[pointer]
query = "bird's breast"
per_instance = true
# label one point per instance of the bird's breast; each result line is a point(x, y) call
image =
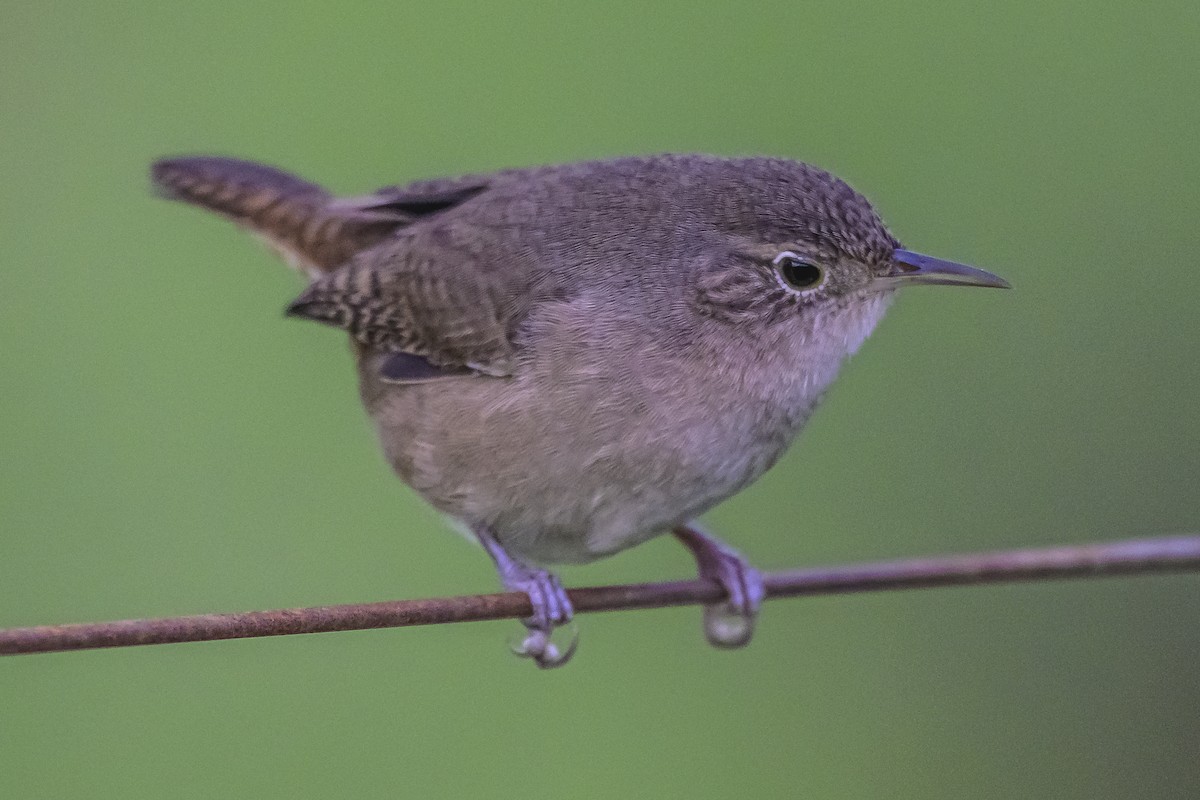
point(602, 438)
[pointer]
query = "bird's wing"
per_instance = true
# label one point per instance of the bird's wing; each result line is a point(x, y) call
point(431, 294)
point(415, 200)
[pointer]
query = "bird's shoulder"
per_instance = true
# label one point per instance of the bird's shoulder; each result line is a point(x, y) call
point(451, 289)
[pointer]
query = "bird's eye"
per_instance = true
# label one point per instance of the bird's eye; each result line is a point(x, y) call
point(797, 273)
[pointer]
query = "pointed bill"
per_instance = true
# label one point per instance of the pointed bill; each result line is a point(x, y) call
point(915, 268)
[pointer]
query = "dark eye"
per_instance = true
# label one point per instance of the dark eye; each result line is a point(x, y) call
point(797, 272)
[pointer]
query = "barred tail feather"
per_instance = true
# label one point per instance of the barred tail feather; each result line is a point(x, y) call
point(298, 219)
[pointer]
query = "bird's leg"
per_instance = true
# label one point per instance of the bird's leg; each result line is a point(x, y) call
point(729, 623)
point(551, 606)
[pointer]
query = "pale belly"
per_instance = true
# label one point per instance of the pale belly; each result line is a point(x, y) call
point(568, 472)
point(607, 437)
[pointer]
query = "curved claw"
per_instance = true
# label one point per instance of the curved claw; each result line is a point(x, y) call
point(545, 653)
point(730, 623)
point(551, 606)
point(551, 609)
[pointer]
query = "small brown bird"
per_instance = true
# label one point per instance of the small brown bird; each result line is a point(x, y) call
point(570, 360)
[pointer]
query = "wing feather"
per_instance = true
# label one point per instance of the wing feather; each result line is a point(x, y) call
point(422, 296)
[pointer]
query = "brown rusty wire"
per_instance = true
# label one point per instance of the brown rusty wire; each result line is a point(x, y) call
point(1132, 556)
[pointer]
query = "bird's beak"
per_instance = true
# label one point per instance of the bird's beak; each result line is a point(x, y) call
point(913, 268)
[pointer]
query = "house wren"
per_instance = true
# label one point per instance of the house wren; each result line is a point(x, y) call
point(570, 360)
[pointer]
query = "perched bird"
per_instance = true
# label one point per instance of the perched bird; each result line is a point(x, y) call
point(570, 360)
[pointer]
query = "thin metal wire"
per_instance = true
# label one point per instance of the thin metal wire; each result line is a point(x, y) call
point(1127, 557)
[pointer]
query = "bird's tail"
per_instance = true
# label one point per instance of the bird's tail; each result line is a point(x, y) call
point(298, 219)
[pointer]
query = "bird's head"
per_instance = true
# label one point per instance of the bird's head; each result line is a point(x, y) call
point(804, 256)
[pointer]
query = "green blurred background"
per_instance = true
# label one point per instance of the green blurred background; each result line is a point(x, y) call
point(172, 445)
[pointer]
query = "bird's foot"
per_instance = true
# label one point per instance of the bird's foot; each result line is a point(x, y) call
point(551, 606)
point(551, 609)
point(730, 623)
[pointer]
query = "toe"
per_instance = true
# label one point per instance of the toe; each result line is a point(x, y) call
point(744, 585)
point(551, 609)
point(547, 598)
point(551, 606)
point(727, 629)
point(539, 646)
point(729, 623)
point(552, 656)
